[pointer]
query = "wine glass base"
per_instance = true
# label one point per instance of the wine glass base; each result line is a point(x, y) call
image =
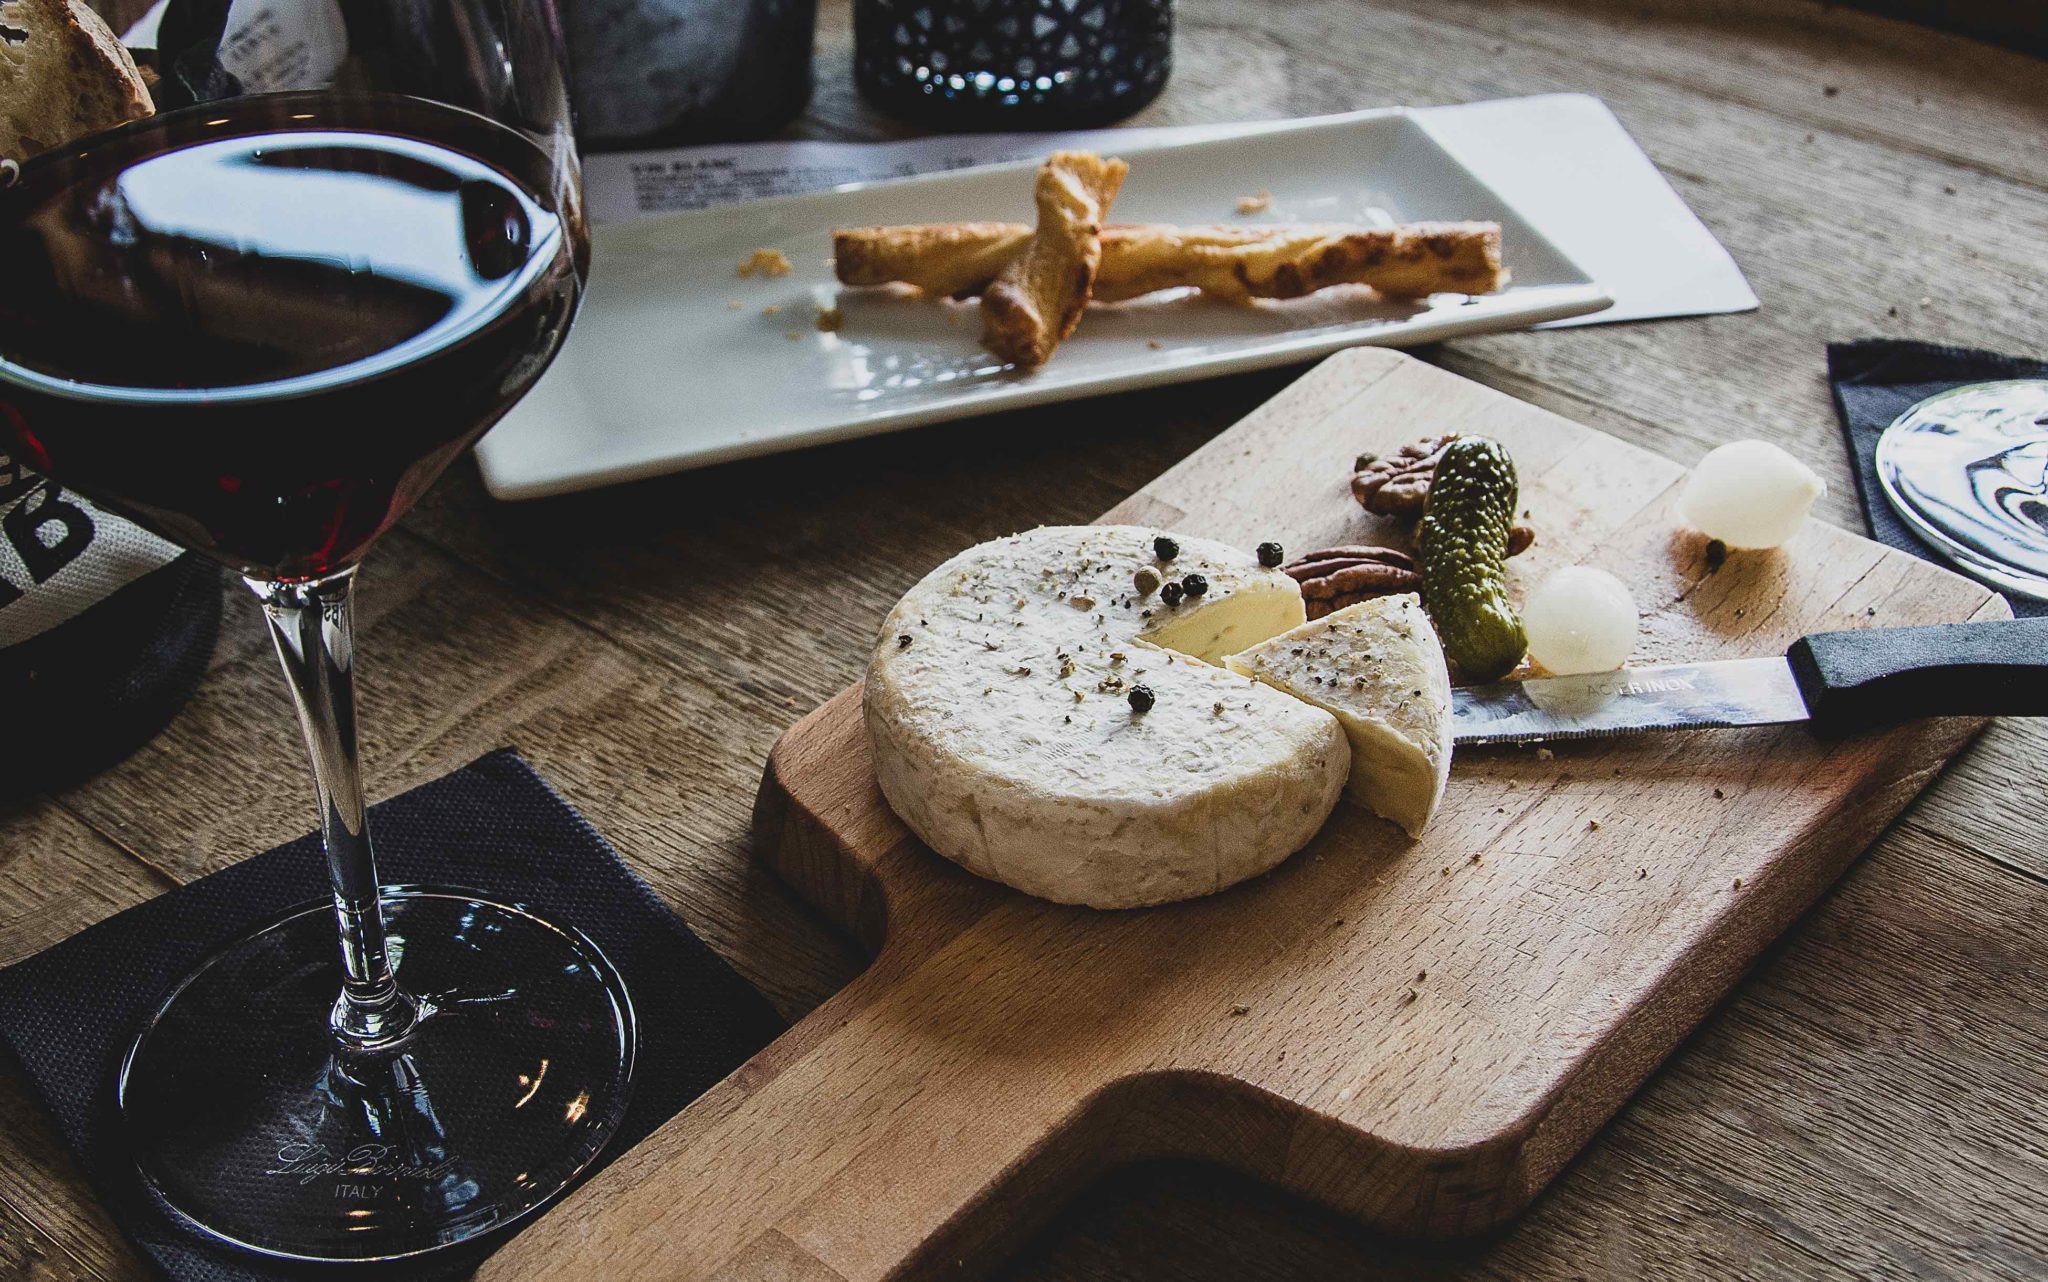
point(1967, 470)
point(246, 1116)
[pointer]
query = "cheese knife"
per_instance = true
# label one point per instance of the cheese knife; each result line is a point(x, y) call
point(1838, 682)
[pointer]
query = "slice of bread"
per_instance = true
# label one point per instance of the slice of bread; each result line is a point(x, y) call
point(63, 74)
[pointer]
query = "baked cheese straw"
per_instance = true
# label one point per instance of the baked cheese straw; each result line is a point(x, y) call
point(952, 260)
point(1243, 263)
point(1036, 300)
point(1239, 263)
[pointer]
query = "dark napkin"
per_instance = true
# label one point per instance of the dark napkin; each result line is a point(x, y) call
point(68, 1013)
point(1878, 379)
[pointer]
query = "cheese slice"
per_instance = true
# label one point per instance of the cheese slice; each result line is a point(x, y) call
point(998, 708)
point(1378, 667)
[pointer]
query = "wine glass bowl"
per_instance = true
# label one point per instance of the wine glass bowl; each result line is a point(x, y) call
point(262, 324)
point(264, 328)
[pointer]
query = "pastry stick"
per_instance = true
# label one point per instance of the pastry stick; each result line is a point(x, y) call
point(1243, 263)
point(950, 260)
point(1238, 263)
point(1036, 300)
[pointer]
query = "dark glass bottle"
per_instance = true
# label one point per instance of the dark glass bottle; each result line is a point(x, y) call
point(1012, 64)
point(104, 634)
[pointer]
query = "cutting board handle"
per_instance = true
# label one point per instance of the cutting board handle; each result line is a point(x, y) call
point(901, 1129)
point(845, 1152)
point(1881, 676)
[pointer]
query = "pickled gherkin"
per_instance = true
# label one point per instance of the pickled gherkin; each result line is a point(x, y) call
point(1462, 547)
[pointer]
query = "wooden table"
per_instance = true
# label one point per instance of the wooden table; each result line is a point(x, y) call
point(1872, 1101)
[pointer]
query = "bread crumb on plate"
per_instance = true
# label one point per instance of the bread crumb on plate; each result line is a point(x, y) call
point(766, 262)
point(1258, 204)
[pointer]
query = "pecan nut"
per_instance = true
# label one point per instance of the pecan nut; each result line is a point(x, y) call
point(1398, 485)
point(1333, 578)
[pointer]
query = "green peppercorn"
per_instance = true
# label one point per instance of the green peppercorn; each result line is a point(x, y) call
point(1194, 584)
point(1164, 548)
point(1271, 555)
point(1170, 594)
point(1141, 698)
point(1146, 580)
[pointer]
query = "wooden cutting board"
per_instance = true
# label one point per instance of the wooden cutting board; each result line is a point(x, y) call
point(1419, 1034)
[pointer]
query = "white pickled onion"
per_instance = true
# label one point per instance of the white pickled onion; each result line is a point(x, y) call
point(1749, 494)
point(1580, 620)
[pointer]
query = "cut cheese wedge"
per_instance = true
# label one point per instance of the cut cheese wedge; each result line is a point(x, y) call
point(998, 705)
point(1379, 668)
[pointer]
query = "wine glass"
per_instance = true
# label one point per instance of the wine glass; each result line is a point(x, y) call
point(261, 323)
point(1967, 470)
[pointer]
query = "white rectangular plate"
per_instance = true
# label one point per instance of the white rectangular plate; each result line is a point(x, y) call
point(676, 362)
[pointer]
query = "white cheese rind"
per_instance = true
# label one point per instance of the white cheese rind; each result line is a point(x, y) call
point(1379, 668)
point(1004, 737)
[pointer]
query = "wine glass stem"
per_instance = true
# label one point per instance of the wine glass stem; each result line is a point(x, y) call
point(310, 622)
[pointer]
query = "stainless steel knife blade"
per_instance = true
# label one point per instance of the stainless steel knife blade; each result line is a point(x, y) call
point(1680, 696)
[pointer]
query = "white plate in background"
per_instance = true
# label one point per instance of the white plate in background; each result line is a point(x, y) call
point(676, 362)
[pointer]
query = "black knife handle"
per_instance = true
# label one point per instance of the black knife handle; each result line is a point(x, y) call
point(1874, 676)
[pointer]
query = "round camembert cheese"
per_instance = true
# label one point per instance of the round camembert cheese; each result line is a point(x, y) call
point(998, 706)
point(1379, 668)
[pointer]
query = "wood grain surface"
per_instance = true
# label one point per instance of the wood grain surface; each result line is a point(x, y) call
point(1872, 1102)
point(1419, 1033)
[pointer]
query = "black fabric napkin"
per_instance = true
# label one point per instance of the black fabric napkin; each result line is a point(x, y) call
point(69, 1012)
point(1878, 379)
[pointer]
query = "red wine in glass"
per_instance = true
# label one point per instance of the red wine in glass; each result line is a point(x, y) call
point(263, 328)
